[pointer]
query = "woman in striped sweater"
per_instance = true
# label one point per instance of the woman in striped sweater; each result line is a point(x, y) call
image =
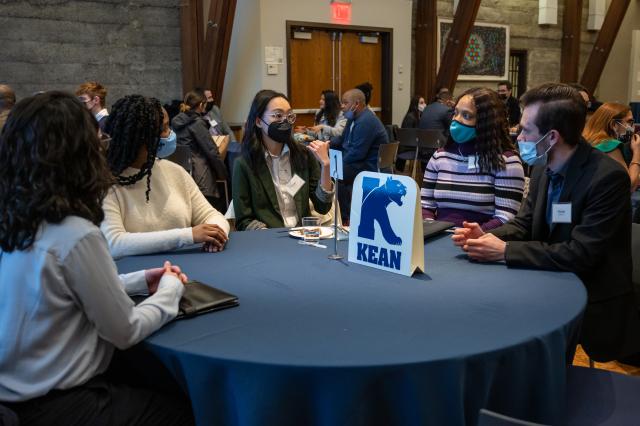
point(478, 175)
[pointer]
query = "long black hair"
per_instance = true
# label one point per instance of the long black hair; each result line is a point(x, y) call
point(52, 166)
point(492, 129)
point(135, 122)
point(366, 88)
point(331, 109)
point(252, 143)
point(413, 107)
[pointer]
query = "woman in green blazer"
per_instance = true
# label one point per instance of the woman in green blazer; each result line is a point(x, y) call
point(276, 177)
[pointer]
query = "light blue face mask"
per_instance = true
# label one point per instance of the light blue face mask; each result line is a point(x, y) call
point(461, 133)
point(529, 153)
point(167, 146)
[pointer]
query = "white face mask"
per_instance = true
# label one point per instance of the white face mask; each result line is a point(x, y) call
point(421, 107)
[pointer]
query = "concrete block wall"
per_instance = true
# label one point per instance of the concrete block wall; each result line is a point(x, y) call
point(130, 46)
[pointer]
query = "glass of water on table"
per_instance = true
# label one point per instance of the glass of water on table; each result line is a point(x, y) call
point(311, 230)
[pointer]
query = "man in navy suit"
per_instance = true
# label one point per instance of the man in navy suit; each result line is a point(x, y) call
point(576, 218)
point(359, 143)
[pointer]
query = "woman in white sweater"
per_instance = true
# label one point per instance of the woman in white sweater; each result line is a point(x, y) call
point(63, 307)
point(155, 205)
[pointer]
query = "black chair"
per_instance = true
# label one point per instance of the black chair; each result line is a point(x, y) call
point(391, 132)
point(602, 398)
point(419, 144)
point(387, 156)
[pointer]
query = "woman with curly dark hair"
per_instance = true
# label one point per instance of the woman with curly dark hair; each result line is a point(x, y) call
point(276, 177)
point(477, 176)
point(155, 205)
point(63, 307)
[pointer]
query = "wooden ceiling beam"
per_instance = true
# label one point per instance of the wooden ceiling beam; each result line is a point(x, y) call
point(604, 43)
point(426, 39)
point(457, 41)
point(571, 28)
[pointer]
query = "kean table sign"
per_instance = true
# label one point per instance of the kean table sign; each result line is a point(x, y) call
point(386, 224)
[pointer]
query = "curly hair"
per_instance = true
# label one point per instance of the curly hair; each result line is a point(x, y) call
point(135, 123)
point(52, 166)
point(492, 129)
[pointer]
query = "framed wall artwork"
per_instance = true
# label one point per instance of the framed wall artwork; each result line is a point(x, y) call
point(487, 54)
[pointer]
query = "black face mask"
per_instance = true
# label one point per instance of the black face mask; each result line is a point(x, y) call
point(208, 107)
point(503, 97)
point(279, 132)
point(626, 136)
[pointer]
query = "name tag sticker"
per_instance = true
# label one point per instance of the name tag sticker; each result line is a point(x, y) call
point(472, 162)
point(561, 213)
point(294, 185)
point(213, 122)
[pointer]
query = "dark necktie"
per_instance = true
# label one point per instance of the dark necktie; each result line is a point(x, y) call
point(553, 192)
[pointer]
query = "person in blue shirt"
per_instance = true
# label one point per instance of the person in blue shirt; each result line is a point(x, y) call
point(359, 143)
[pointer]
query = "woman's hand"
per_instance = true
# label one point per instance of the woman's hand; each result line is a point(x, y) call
point(213, 237)
point(635, 146)
point(154, 275)
point(320, 150)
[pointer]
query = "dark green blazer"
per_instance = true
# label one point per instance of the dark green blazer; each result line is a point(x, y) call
point(254, 195)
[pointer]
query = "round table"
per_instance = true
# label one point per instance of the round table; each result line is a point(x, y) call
point(323, 342)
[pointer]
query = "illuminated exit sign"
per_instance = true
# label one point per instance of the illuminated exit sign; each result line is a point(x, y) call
point(341, 11)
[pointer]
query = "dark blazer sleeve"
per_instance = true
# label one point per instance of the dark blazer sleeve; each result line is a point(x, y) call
point(519, 228)
point(204, 141)
point(241, 190)
point(360, 143)
point(607, 204)
point(321, 201)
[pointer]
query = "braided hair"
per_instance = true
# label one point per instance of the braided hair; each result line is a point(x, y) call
point(135, 123)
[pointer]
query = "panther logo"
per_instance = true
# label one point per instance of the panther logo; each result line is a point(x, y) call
point(374, 207)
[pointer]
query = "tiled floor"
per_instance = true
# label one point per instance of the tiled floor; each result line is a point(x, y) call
point(581, 359)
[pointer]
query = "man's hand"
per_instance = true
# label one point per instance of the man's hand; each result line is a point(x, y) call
point(487, 248)
point(468, 231)
point(213, 237)
point(154, 275)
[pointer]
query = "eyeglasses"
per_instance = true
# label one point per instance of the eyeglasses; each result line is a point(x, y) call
point(627, 122)
point(84, 101)
point(280, 117)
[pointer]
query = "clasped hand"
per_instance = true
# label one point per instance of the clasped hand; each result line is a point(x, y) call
point(154, 275)
point(480, 246)
point(212, 236)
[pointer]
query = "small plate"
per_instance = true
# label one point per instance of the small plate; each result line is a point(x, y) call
point(325, 232)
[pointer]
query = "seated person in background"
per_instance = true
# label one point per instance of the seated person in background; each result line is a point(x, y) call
point(64, 310)
point(511, 104)
point(276, 177)
point(576, 218)
point(412, 118)
point(437, 115)
point(477, 176)
point(94, 97)
point(207, 165)
point(367, 90)
point(212, 113)
point(607, 130)
point(329, 121)
point(359, 144)
point(155, 205)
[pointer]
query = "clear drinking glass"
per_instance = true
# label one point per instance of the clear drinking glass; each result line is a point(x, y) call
point(311, 229)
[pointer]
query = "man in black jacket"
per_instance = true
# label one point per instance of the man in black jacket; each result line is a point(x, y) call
point(511, 104)
point(576, 218)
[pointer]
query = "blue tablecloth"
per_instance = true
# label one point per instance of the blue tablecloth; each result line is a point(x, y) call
point(322, 342)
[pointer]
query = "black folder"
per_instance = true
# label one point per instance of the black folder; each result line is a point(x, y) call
point(431, 228)
point(199, 298)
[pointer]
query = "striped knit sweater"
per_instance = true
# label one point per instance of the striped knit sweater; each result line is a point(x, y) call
point(454, 190)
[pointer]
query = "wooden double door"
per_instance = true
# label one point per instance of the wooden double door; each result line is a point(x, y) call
point(322, 57)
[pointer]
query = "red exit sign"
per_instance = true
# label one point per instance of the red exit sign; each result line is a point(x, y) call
point(341, 12)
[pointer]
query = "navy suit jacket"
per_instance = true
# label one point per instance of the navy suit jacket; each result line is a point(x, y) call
point(360, 144)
